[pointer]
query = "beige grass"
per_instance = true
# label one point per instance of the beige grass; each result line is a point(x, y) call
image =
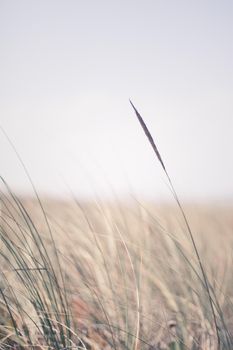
point(127, 274)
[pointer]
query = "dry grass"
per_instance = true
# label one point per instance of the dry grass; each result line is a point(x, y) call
point(115, 275)
point(128, 276)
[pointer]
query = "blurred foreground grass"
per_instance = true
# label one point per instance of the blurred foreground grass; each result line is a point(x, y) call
point(79, 275)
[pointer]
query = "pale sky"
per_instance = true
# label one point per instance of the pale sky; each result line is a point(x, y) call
point(67, 70)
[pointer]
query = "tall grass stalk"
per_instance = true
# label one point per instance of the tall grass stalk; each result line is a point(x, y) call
point(157, 153)
point(101, 276)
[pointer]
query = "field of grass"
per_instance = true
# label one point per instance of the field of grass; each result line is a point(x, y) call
point(128, 275)
point(114, 275)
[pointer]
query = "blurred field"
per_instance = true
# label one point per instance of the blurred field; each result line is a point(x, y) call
point(111, 275)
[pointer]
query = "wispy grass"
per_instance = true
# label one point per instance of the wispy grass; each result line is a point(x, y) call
point(78, 275)
point(213, 303)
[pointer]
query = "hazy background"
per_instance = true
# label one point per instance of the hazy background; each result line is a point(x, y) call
point(67, 69)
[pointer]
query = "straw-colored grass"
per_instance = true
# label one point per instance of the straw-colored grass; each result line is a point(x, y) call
point(127, 276)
